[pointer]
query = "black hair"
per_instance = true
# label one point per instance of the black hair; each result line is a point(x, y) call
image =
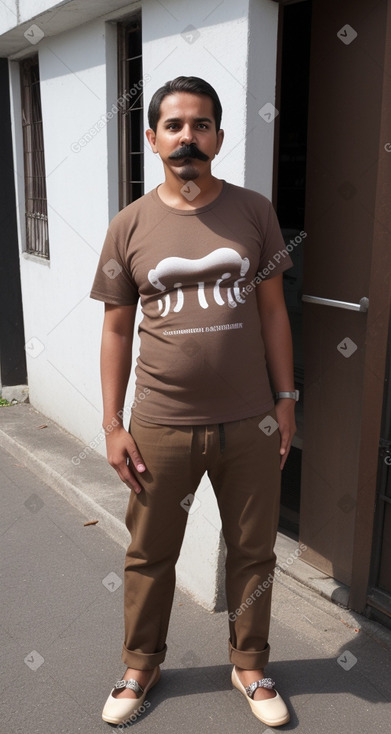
point(190, 84)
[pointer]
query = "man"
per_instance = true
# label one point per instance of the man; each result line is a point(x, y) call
point(206, 260)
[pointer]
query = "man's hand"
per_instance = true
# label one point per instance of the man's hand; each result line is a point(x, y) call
point(285, 413)
point(124, 456)
point(277, 338)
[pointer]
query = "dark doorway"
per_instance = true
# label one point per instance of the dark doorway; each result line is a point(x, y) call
point(379, 592)
point(12, 353)
point(290, 173)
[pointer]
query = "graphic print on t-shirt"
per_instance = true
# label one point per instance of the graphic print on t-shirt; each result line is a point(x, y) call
point(223, 267)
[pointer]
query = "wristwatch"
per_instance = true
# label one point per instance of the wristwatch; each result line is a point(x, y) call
point(293, 394)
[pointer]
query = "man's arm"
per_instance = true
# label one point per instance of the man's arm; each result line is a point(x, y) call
point(277, 338)
point(116, 362)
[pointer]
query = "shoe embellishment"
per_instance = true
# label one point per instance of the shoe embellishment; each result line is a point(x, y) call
point(264, 683)
point(131, 683)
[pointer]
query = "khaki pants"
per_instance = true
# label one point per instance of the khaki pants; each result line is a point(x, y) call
point(242, 462)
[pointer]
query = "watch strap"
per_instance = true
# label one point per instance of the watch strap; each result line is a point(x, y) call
point(293, 394)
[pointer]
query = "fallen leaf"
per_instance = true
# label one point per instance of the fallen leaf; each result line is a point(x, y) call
point(91, 522)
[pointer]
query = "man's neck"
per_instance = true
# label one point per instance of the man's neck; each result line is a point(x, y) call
point(187, 195)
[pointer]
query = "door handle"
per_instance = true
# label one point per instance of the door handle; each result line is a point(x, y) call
point(362, 306)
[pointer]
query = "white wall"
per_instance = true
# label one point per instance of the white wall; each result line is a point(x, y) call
point(8, 16)
point(16, 12)
point(61, 320)
point(218, 54)
point(31, 8)
point(78, 85)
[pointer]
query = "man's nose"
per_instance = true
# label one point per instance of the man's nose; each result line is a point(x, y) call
point(187, 135)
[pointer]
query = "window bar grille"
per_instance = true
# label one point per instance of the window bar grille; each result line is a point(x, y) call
point(131, 140)
point(36, 212)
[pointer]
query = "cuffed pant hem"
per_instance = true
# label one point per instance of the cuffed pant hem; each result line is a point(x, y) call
point(143, 661)
point(249, 660)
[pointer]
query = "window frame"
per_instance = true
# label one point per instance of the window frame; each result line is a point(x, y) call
point(36, 205)
point(130, 116)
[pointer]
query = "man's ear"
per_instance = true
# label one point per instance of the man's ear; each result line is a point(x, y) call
point(220, 138)
point(151, 137)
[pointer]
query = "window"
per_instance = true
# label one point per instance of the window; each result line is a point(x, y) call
point(130, 94)
point(37, 239)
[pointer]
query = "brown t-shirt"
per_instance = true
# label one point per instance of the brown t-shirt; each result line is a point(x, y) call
point(201, 352)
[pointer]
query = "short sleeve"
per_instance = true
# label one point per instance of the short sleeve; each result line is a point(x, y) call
point(113, 282)
point(274, 258)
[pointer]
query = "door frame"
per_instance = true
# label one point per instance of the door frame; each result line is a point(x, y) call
point(371, 397)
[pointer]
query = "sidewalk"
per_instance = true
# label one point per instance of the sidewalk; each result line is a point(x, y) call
point(62, 586)
point(91, 485)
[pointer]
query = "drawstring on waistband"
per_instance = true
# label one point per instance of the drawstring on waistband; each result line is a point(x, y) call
point(222, 437)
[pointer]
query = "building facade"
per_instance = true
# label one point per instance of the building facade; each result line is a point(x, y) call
point(306, 112)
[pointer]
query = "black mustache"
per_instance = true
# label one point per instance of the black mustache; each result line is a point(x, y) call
point(189, 151)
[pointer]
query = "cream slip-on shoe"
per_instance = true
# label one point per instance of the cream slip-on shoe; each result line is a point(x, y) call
point(271, 711)
point(118, 710)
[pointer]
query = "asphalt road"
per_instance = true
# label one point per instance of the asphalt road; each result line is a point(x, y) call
point(61, 632)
